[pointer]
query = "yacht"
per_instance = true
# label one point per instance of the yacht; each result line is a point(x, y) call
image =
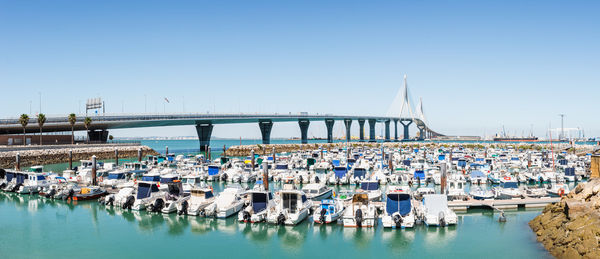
point(33, 183)
point(329, 211)
point(398, 212)
point(361, 212)
point(227, 202)
point(558, 190)
point(200, 198)
point(508, 189)
point(317, 192)
point(372, 189)
point(291, 207)
point(480, 193)
point(173, 198)
point(436, 211)
point(260, 201)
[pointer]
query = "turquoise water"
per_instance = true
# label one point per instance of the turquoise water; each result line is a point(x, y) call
point(36, 227)
point(31, 226)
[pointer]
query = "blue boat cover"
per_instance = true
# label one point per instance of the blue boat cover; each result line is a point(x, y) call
point(570, 171)
point(213, 170)
point(369, 186)
point(406, 162)
point(340, 171)
point(359, 172)
point(477, 174)
point(145, 189)
point(116, 176)
point(562, 162)
point(281, 166)
point(419, 174)
point(441, 157)
point(9, 176)
point(398, 202)
point(148, 178)
point(462, 163)
point(336, 162)
point(259, 202)
point(21, 178)
point(479, 159)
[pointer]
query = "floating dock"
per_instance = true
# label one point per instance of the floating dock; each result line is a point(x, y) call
point(503, 204)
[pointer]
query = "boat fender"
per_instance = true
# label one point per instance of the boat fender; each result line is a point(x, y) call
point(358, 217)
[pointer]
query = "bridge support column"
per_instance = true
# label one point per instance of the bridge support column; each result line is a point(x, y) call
point(98, 136)
point(265, 130)
point(348, 123)
point(372, 130)
point(204, 131)
point(329, 123)
point(395, 130)
point(304, 130)
point(361, 123)
point(405, 137)
point(387, 131)
point(422, 133)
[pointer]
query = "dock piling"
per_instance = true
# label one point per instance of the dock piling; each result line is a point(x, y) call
point(139, 154)
point(70, 159)
point(94, 182)
point(18, 162)
point(116, 156)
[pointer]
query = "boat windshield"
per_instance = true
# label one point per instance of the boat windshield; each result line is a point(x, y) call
point(512, 185)
point(151, 178)
point(281, 167)
point(145, 189)
point(259, 202)
point(359, 172)
point(116, 176)
point(398, 202)
point(290, 201)
point(369, 186)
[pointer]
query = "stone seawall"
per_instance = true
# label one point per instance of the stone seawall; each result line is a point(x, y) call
point(571, 228)
point(61, 155)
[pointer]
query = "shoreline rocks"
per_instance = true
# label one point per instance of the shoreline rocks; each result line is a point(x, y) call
point(571, 227)
point(61, 155)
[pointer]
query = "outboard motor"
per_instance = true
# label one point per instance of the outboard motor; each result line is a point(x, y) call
point(300, 179)
point(184, 208)
point(398, 220)
point(317, 180)
point(110, 201)
point(358, 216)
point(224, 177)
point(280, 219)
point(322, 217)
point(157, 205)
point(246, 216)
point(442, 219)
point(128, 203)
point(51, 193)
point(102, 200)
point(16, 188)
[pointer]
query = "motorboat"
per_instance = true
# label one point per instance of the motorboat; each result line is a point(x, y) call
point(200, 198)
point(361, 212)
point(317, 192)
point(358, 174)
point(535, 192)
point(436, 211)
point(120, 198)
point(35, 181)
point(477, 177)
point(456, 187)
point(480, 193)
point(344, 195)
point(259, 202)
point(398, 212)
point(371, 187)
point(227, 202)
point(190, 182)
point(89, 193)
point(214, 173)
point(115, 179)
point(339, 176)
point(147, 192)
point(329, 211)
point(558, 190)
point(172, 199)
point(291, 207)
point(508, 189)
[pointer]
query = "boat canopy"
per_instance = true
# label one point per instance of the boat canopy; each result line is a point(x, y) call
point(259, 201)
point(213, 170)
point(369, 186)
point(477, 173)
point(435, 203)
point(360, 198)
point(145, 189)
point(441, 157)
point(360, 172)
point(398, 202)
point(570, 171)
point(511, 184)
point(419, 174)
point(200, 193)
point(41, 177)
point(335, 162)
point(281, 167)
point(9, 176)
point(340, 171)
point(406, 162)
point(116, 176)
point(151, 178)
point(21, 178)
point(168, 179)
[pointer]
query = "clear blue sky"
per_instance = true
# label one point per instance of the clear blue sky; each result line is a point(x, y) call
point(477, 65)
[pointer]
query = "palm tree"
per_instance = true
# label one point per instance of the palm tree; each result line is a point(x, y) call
point(24, 120)
point(72, 119)
point(86, 122)
point(41, 119)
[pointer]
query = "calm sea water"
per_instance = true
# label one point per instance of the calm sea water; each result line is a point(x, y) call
point(31, 227)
